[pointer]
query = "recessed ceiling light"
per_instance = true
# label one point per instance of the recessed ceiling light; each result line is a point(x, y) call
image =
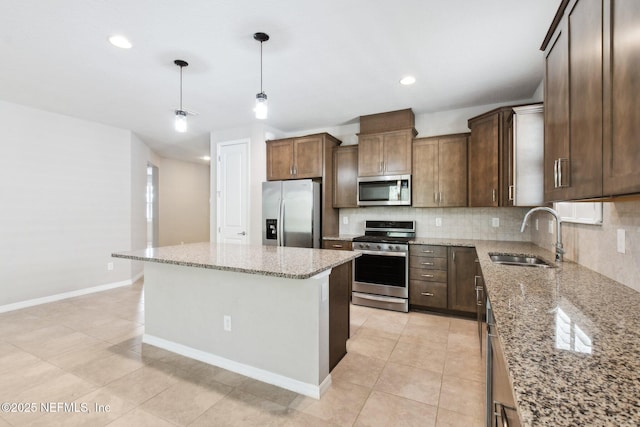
point(409, 80)
point(120, 41)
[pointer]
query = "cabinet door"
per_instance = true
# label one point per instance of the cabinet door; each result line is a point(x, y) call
point(483, 162)
point(622, 104)
point(507, 157)
point(307, 157)
point(337, 245)
point(279, 159)
point(370, 155)
point(425, 173)
point(345, 177)
point(452, 158)
point(396, 155)
point(556, 115)
point(585, 100)
point(462, 271)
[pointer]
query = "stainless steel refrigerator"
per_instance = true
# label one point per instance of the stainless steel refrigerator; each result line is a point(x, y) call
point(291, 213)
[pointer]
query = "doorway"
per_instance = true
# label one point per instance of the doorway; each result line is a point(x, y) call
point(152, 206)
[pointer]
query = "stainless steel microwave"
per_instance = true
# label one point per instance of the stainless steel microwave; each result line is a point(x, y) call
point(384, 190)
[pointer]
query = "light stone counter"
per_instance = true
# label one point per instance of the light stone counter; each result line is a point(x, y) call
point(343, 237)
point(443, 242)
point(293, 263)
point(571, 339)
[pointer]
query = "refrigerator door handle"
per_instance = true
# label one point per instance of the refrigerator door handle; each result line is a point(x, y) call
point(281, 241)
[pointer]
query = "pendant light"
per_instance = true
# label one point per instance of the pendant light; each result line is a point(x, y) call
point(181, 115)
point(261, 98)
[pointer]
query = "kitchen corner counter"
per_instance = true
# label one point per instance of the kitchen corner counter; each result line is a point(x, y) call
point(286, 262)
point(571, 339)
point(443, 242)
point(342, 237)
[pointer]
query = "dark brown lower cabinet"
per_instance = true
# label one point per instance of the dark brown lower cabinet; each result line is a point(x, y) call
point(443, 279)
point(338, 313)
point(339, 294)
point(462, 272)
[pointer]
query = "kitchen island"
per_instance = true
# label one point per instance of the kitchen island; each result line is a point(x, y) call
point(261, 311)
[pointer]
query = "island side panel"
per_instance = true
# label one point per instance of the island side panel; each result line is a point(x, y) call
point(278, 325)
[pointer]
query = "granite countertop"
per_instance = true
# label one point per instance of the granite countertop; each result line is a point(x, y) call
point(292, 263)
point(443, 242)
point(343, 237)
point(571, 339)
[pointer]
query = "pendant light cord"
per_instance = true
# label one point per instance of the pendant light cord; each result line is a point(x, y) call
point(181, 88)
point(261, 67)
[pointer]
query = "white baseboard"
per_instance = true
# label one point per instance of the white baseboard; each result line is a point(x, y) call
point(306, 389)
point(65, 295)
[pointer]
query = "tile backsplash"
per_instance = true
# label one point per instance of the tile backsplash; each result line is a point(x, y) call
point(455, 223)
point(595, 246)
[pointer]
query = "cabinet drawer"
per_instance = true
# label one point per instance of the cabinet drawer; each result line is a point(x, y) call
point(428, 294)
point(428, 251)
point(427, 275)
point(428, 263)
point(341, 245)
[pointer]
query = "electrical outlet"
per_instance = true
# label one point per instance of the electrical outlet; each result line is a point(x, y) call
point(109, 266)
point(227, 322)
point(621, 241)
point(345, 220)
point(550, 226)
point(537, 225)
point(495, 222)
point(438, 222)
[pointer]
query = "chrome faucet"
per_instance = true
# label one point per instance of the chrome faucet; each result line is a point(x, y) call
point(559, 248)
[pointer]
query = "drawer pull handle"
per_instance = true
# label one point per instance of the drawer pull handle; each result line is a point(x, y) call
point(428, 252)
point(427, 294)
point(426, 275)
point(427, 263)
point(336, 246)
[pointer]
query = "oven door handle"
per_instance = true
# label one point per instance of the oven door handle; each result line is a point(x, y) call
point(382, 253)
point(393, 300)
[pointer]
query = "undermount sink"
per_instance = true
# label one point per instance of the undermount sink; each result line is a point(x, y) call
point(521, 260)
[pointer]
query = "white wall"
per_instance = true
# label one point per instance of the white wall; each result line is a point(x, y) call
point(141, 155)
point(184, 202)
point(66, 203)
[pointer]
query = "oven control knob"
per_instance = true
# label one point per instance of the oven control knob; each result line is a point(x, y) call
point(379, 247)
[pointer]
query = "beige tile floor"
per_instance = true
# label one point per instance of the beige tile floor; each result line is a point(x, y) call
point(81, 362)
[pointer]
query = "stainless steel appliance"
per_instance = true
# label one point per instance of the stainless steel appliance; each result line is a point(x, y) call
point(384, 190)
point(381, 273)
point(291, 213)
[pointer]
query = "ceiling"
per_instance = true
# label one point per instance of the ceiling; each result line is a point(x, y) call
point(327, 62)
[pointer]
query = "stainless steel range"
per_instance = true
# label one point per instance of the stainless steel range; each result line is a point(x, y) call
point(381, 273)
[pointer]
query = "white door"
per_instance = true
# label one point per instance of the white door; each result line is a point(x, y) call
point(233, 192)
